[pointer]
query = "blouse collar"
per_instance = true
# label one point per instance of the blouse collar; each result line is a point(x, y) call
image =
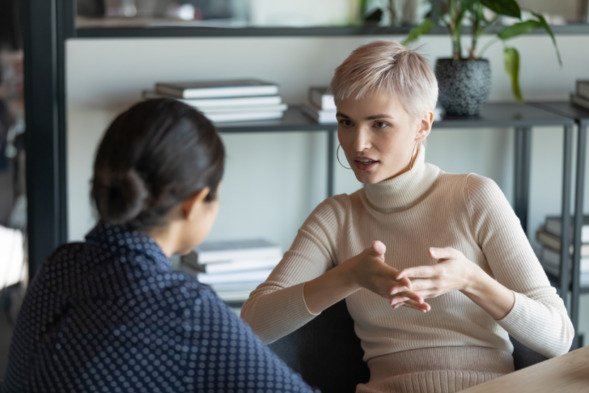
point(118, 240)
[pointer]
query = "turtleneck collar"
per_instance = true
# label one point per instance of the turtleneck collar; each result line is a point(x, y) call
point(404, 189)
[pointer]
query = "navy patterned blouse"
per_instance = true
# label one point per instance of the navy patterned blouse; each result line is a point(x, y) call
point(110, 315)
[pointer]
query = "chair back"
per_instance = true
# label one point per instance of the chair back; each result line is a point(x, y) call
point(326, 351)
point(523, 356)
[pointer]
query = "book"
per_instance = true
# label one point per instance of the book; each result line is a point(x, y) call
point(235, 295)
point(553, 224)
point(221, 102)
point(234, 277)
point(217, 88)
point(229, 250)
point(554, 271)
point(224, 117)
point(582, 88)
point(319, 115)
point(551, 258)
point(579, 100)
point(240, 109)
point(321, 98)
point(242, 264)
point(552, 241)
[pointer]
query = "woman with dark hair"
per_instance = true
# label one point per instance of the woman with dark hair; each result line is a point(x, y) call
point(109, 314)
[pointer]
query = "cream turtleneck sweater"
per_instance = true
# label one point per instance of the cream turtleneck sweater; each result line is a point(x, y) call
point(455, 345)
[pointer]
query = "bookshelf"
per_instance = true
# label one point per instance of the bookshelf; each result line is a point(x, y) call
point(581, 118)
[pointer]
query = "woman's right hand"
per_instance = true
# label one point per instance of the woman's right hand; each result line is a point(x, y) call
point(369, 270)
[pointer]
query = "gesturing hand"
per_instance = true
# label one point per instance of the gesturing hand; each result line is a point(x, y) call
point(371, 272)
point(453, 271)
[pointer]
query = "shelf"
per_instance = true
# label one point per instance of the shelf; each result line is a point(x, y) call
point(293, 120)
point(507, 114)
point(493, 115)
point(565, 108)
point(187, 30)
point(127, 28)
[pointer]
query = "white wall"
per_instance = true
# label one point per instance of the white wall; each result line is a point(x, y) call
point(273, 180)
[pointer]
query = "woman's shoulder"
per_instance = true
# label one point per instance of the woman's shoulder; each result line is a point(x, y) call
point(470, 183)
point(334, 205)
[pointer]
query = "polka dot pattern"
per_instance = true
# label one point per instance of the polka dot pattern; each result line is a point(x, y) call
point(110, 315)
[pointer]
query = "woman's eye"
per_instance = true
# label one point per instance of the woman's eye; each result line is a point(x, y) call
point(344, 122)
point(380, 124)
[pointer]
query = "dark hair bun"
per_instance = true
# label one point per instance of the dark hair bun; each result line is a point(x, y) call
point(120, 197)
point(152, 157)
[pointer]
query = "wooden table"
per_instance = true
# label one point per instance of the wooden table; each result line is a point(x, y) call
point(568, 373)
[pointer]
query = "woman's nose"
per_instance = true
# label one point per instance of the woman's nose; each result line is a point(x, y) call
point(361, 140)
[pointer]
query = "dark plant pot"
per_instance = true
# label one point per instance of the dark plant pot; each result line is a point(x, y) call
point(464, 85)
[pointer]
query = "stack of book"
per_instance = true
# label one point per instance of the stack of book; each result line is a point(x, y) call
point(234, 100)
point(320, 105)
point(581, 95)
point(549, 238)
point(233, 268)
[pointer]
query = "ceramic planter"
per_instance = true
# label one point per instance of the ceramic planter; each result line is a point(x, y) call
point(464, 85)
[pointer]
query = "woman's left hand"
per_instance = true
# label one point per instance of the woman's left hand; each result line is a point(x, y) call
point(453, 271)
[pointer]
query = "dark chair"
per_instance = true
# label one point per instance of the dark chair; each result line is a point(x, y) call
point(523, 356)
point(327, 353)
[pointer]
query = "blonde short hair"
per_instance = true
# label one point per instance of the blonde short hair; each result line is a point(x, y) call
point(387, 66)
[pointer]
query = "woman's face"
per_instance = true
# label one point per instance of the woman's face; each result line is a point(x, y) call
point(378, 136)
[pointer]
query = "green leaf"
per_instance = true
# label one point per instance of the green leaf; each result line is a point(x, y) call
point(511, 61)
point(503, 7)
point(544, 24)
point(519, 29)
point(423, 28)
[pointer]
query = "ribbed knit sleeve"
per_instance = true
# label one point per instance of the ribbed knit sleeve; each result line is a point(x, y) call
point(277, 307)
point(538, 318)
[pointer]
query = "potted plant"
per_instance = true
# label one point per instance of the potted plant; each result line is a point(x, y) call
point(464, 78)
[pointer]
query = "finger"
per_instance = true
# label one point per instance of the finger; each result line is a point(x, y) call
point(377, 248)
point(441, 253)
point(404, 282)
point(422, 307)
point(398, 289)
point(425, 271)
point(408, 295)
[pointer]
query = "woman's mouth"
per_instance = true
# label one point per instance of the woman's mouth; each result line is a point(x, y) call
point(365, 164)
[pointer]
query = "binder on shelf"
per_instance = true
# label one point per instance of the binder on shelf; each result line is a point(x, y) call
point(217, 88)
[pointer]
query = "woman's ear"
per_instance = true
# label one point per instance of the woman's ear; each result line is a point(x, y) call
point(192, 204)
point(426, 123)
